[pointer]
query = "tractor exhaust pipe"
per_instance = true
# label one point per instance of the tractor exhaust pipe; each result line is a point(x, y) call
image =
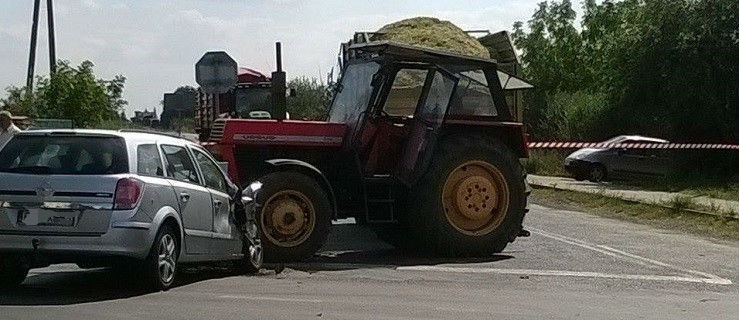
point(279, 87)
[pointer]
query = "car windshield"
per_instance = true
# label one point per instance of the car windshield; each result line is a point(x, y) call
point(73, 155)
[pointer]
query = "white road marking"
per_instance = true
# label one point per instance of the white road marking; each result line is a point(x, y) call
point(658, 263)
point(565, 273)
point(266, 298)
point(586, 245)
point(622, 255)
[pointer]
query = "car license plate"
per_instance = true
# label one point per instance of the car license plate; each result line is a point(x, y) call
point(37, 217)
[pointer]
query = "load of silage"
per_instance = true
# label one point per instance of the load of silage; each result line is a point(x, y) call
point(432, 33)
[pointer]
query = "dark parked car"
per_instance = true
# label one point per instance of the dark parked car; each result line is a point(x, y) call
point(598, 164)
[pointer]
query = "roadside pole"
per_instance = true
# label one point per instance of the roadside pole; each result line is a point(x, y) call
point(32, 54)
point(52, 40)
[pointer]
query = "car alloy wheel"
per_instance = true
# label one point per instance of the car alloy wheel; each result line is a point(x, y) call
point(167, 258)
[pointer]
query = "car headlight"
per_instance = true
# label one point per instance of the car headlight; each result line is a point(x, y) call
point(250, 193)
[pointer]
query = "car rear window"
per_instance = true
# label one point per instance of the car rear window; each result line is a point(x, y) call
point(74, 155)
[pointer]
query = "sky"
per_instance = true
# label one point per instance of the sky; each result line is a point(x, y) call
point(155, 44)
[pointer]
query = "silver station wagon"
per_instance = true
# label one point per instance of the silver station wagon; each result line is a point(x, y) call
point(137, 201)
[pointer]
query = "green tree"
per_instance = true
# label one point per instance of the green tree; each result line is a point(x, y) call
point(72, 93)
point(654, 67)
point(19, 102)
point(311, 100)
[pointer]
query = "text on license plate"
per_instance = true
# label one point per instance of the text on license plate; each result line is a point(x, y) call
point(37, 217)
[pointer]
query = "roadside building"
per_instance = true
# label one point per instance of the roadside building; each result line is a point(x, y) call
point(177, 105)
point(146, 118)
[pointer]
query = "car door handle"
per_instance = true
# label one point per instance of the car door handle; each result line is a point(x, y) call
point(184, 197)
point(217, 203)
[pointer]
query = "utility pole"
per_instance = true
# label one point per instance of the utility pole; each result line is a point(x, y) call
point(34, 37)
point(52, 42)
point(32, 54)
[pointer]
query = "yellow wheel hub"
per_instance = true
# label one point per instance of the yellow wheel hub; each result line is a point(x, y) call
point(475, 197)
point(288, 218)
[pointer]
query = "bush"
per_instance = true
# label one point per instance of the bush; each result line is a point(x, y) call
point(311, 101)
point(546, 162)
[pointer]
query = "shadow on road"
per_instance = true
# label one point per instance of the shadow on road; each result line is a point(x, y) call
point(388, 258)
point(348, 247)
point(357, 247)
point(80, 286)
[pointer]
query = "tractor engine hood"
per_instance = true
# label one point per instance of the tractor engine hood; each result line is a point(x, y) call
point(283, 132)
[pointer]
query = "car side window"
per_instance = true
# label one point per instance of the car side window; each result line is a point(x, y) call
point(179, 165)
point(149, 161)
point(213, 177)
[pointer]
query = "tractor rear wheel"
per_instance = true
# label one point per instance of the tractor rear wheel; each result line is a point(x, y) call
point(294, 217)
point(472, 200)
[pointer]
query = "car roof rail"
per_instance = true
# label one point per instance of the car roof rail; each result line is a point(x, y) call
point(172, 135)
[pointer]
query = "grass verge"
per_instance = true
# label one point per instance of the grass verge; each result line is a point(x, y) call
point(673, 219)
point(694, 187)
point(551, 163)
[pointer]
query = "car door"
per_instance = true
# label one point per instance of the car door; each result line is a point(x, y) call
point(195, 204)
point(650, 161)
point(622, 161)
point(223, 205)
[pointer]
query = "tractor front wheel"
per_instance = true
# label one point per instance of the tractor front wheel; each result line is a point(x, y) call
point(472, 200)
point(294, 216)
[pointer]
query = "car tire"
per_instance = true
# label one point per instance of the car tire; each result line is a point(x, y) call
point(287, 235)
point(597, 173)
point(436, 215)
point(160, 267)
point(12, 272)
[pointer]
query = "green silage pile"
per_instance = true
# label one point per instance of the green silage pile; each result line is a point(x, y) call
point(432, 33)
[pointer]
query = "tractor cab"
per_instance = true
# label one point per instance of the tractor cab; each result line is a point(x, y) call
point(397, 100)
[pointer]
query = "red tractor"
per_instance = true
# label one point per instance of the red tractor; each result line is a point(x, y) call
point(248, 97)
point(419, 144)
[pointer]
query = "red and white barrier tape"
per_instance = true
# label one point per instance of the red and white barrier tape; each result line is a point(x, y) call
point(600, 145)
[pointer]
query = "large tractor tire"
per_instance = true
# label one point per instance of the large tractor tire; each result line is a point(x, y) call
point(471, 201)
point(294, 216)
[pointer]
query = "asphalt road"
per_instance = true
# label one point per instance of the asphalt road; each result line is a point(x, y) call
point(574, 266)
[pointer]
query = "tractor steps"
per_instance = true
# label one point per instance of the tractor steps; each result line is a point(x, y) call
point(380, 200)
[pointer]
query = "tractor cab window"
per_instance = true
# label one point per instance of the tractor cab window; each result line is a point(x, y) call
point(436, 102)
point(250, 99)
point(353, 93)
point(405, 92)
point(472, 97)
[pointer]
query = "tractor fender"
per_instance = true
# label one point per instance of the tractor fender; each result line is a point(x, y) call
point(309, 170)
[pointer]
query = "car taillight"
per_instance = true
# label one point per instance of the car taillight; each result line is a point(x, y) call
point(128, 192)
